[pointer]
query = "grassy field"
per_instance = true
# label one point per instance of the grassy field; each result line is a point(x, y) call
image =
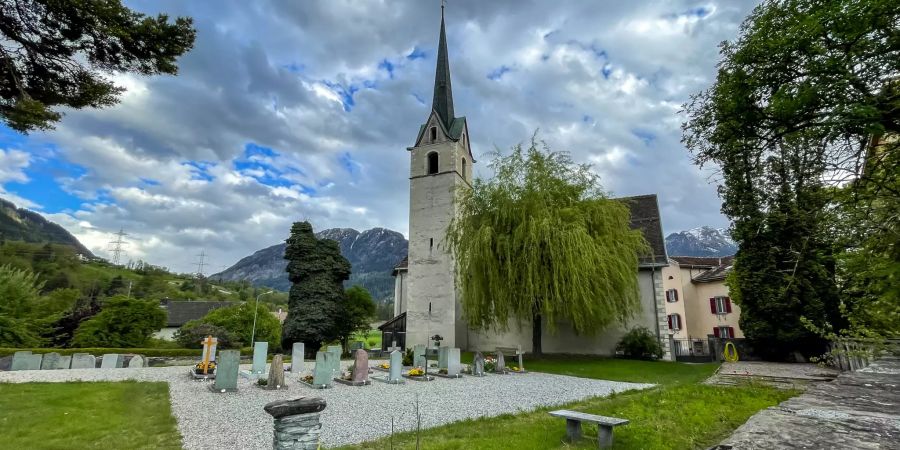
point(678, 414)
point(87, 415)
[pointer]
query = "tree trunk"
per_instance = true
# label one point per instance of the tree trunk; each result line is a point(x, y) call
point(536, 335)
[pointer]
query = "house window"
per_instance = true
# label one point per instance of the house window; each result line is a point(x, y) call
point(464, 168)
point(672, 295)
point(674, 322)
point(720, 305)
point(432, 163)
point(724, 332)
point(433, 134)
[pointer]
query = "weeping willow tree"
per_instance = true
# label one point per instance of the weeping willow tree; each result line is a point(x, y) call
point(541, 243)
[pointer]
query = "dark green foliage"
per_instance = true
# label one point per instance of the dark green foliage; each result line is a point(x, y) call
point(19, 289)
point(541, 242)
point(640, 343)
point(62, 331)
point(317, 272)
point(191, 335)
point(238, 320)
point(356, 313)
point(408, 357)
point(122, 322)
point(56, 52)
point(18, 333)
point(798, 98)
point(20, 224)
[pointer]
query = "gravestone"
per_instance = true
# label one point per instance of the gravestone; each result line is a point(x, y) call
point(111, 361)
point(453, 364)
point(34, 362)
point(260, 349)
point(209, 348)
point(323, 372)
point(297, 357)
point(65, 362)
point(419, 355)
point(360, 366)
point(136, 362)
point(443, 352)
point(20, 360)
point(227, 371)
point(84, 361)
point(501, 364)
point(335, 359)
point(50, 362)
point(276, 373)
point(478, 365)
point(396, 371)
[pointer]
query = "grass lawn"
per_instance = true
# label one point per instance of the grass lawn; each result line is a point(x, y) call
point(87, 415)
point(372, 338)
point(678, 414)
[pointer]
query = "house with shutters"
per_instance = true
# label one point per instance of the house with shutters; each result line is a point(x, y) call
point(697, 300)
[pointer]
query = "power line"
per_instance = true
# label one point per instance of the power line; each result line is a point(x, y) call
point(117, 245)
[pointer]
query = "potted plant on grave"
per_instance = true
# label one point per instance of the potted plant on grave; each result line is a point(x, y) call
point(209, 366)
point(308, 379)
point(408, 357)
point(490, 363)
point(416, 372)
point(385, 365)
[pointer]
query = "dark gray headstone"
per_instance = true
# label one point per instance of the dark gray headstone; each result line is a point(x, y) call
point(478, 364)
point(227, 370)
point(50, 362)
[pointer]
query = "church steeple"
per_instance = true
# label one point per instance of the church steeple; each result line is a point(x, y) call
point(443, 94)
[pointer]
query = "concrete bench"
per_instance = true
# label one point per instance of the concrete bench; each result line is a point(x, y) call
point(515, 352)
point(605, 425)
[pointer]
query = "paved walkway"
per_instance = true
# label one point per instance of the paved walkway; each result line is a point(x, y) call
point(858, 410)
point(780, 375)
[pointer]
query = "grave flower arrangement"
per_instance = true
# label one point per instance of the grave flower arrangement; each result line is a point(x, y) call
point(514, 369)
point(209, 366)
point(385, 365)
point(416, 372)
point(490, 363)
point(308, 379)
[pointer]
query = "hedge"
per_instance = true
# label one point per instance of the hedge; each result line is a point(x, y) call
point(100, 351)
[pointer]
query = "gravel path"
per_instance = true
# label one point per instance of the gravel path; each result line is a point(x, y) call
point(354, 414)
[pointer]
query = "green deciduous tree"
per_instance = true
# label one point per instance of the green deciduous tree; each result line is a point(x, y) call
point(797, 100)
point(191, 335)
point(317, 272)
point(541, 243)
point(122, 322)
point(238, 320)
point(356, 313)
point(54, 53)
point(19, 289)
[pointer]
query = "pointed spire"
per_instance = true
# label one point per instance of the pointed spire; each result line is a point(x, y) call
point(443, 94)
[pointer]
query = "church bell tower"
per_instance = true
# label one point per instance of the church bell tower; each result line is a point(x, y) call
point(440, 163)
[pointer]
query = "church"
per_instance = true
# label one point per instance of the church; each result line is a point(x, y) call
point(426, 299)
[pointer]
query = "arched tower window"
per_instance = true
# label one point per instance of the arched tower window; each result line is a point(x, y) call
point(433, 134)
point(464, 168)
point(432, 163)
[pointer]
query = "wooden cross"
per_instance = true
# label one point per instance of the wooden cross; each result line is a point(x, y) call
point(207, 345)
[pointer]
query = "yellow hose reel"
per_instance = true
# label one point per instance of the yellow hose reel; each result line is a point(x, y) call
point(730, 353)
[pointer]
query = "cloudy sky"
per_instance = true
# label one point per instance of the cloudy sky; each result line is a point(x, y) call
point(290, 110)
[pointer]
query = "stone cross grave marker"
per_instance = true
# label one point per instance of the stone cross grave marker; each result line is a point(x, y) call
point(276, 373)
point(65, 362)
point(360, 366)
point(297, 353)
point(84, 361)
point(443, 352)
point(393, 346)
point(137, 362)
point(34, 362)
point(260, 349)
point(20, 360)
point(501, 364)
point(209, 352)
point(478, 365)
point(453, 364)
point(111, 361)
point(50, 362)
point(396, 371)
point(227, 371)
point(323, 371)
point(419, 355)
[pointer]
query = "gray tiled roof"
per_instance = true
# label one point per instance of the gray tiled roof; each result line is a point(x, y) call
point(645, 217)
point(180, 312)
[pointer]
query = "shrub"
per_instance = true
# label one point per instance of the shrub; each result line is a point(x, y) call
point(122, 322)
point(192, 333)
point(408, 357)
point(238, 320)
point(640, 343)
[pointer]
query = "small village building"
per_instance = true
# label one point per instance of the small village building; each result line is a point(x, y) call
point(697, 300)
point(180, 312)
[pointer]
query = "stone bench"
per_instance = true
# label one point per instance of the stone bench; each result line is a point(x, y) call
point(515, 352)
point(605, 425)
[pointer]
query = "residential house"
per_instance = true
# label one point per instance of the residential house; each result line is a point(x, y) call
point(697, 300)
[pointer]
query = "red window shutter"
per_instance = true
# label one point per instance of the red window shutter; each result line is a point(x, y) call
point(712, 305)
point(716, 331)
point(731, 332)
point(670, 321)
point(728, 304)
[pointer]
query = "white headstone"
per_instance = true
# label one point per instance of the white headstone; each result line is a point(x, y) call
point(83, 361)
point(453, 364)
point(136, 362)
point(297, 357)
point(65, 362)
point(111, 361)
point(396, 371)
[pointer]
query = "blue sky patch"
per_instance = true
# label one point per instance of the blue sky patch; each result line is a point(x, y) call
point(199, 169)
point(348, 163)
point(606, 71)
point(416, 53)
point(645, 136)
point(44, 187)
point(498, 73)
point(388, 67)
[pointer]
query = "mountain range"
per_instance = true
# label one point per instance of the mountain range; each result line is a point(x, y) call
point(372, 255)
point(701, 241)
point(20, 224)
